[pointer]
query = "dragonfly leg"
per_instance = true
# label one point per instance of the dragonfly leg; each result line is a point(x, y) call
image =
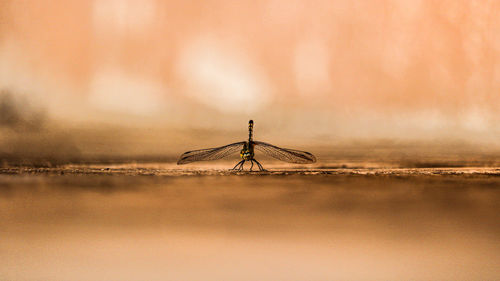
point(260, 166)
point(239, 163)
point(241, 167)
point(251, 160)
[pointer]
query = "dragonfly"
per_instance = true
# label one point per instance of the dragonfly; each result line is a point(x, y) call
point(247, 153)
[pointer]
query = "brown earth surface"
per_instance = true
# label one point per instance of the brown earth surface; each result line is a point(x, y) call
point(203, 222)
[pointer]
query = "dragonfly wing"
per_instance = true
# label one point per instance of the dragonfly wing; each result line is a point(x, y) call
point(285, 154)
point(210, 153)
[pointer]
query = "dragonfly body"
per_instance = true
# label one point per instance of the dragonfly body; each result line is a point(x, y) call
point(247, 153)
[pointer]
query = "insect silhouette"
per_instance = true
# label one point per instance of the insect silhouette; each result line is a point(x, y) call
point(247, 153)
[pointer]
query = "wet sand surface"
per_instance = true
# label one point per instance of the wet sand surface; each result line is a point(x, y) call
point(159, 222)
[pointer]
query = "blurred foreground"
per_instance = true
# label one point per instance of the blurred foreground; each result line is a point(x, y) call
point(159, 222)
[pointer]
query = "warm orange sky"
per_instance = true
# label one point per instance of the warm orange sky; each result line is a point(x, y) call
point(378, 68)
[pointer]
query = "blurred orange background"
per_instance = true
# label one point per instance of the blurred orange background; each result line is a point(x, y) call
point(313, 70)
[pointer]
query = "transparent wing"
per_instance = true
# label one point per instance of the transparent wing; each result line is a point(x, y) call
point(285, 154)
point(210, 153)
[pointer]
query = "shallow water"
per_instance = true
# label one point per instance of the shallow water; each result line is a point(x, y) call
point(154, 223)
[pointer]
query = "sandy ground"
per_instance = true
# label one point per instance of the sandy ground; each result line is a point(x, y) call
point(173, 170)
point(165, 222)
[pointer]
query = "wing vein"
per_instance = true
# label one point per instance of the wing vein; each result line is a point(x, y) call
point(209, 153)
point(285, 154)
